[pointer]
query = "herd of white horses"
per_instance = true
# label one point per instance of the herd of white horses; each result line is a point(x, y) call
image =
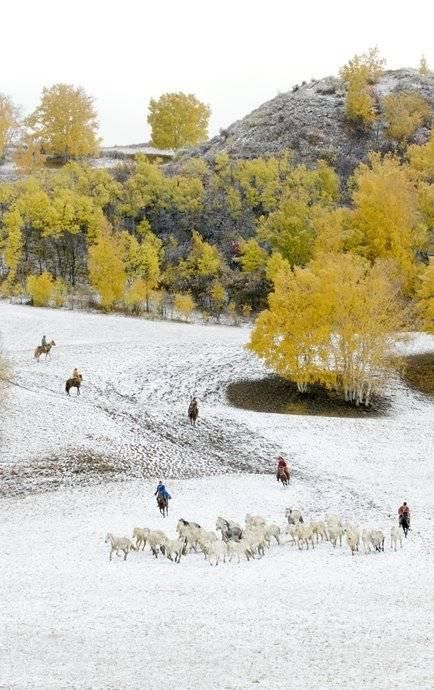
point(252, 540)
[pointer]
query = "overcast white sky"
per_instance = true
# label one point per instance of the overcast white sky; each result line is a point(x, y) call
point(233, 54)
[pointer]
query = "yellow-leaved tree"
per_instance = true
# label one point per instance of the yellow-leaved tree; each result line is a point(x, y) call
point(404, 113)
point(178, 120)
point(422, 158)
point(332, 323)
point(386, 219)
point(11, 244)
point(135, 295)
point(184, 304)
point(359, 102)
point(65, 122)
point(8, 122)
point(107, 272)
point(253, 256)
point(218, 299)
point(358, 75)
point(425, 298)
point(40, 288)
point(203, 260)
point(289, 230)
point(142, 260)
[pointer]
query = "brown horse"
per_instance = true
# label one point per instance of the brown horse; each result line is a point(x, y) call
point(74, 383)
point(44, 350)
point(283, 475)
point(193, 411)
point(163, 505)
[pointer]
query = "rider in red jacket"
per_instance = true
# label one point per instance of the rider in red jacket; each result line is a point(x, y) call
point(404, 510)
point(282, 464)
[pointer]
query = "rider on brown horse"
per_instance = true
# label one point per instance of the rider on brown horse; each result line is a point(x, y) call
point(193, 411)
point(404, 512)
point(282, 467)
point(162, 491)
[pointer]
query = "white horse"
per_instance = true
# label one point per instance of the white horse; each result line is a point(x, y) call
point(119, 544)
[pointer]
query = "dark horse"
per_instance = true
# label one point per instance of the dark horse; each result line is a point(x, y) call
point(283, 476)
point(404, 522)
point(193, 411)
point(74, 383)
point(163, 505)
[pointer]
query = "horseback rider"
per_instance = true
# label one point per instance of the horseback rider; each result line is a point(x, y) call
point(76, 374)
point(282, 465)
point(44, 341)
point(404, 512)
point(162, 491)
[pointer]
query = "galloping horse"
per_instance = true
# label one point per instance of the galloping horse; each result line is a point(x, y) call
point(163, 505)
point(74, 383)
point(44, 350)
point(193, 411)
point(404, 522)
point(230, 530)
point(283, 476)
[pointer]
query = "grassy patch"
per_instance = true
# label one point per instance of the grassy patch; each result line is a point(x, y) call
point(418, 372)
point(277, 395)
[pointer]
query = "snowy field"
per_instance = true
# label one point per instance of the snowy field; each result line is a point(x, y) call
point(294, 619)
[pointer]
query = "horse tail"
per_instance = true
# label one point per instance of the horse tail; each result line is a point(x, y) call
point(67, 386)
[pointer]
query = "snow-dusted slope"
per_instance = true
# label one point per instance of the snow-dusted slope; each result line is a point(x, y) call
point(320, 619)
point(302, 620)
point(131, 415)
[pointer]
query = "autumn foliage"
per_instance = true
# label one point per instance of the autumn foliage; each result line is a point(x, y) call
point(65, 122)
point(331, 323)
point(336, 266)
point(178, 120)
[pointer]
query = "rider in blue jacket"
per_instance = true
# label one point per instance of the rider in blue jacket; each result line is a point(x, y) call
point(162, 491)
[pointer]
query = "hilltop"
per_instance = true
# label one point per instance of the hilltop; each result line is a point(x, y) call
point(309, 119)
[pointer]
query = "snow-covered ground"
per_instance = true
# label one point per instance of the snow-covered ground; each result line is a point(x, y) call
point(317, 619)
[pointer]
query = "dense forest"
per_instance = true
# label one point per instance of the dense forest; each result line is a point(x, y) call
point(216, 228)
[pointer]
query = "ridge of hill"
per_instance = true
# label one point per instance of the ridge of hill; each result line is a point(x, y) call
point(310, 120)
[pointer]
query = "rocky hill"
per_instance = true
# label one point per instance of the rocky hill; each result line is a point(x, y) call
point(310, 120)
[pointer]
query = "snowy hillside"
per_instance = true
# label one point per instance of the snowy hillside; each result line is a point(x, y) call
point(294, 619)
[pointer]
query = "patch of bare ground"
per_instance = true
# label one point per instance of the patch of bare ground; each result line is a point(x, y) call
point(418, 372)
point(273, 394)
